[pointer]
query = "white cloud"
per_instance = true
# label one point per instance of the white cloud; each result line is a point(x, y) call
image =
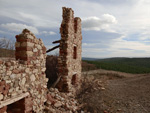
point(52, 33)
point(95, 23)
point(88, 44)
point(44, 32)
point(16, 27)
point(48, 33)
point(109, 19)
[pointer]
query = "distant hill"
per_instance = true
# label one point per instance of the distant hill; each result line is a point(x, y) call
point(7, 53)
point(90, 59)
point(128, 65)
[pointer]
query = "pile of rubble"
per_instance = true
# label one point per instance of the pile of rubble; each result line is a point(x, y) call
point(59, 102)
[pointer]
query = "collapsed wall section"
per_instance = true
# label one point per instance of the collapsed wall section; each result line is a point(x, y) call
point(25, 74)
point(69, 61)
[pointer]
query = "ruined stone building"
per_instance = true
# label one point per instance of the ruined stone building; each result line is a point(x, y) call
point(69, 61)
point(23, 83)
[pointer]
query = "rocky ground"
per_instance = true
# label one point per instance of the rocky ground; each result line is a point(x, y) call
point(114, 92)
point(129, 95)
point(104, 92)
point(59, 102)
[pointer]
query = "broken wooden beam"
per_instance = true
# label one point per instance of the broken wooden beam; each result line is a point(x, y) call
point(53, 48)
point(57, 41)
point(13, 99)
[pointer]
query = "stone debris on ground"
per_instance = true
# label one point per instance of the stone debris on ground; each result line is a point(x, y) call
point(60, 102)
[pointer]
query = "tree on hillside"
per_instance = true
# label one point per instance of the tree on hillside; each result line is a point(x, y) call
point(7, 43)
point(7, 47)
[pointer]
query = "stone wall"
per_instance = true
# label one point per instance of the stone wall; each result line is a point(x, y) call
point(69, 61)
point(25, 74)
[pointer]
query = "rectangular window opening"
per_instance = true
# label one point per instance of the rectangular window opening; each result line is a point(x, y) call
point(74, 79)
point(75, 52)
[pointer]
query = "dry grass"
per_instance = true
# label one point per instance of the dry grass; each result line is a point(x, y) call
point(7, 53)
point(86, 66)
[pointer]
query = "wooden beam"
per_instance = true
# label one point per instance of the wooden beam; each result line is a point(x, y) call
point(13, 99)
point(57, 41)
point(52, 48)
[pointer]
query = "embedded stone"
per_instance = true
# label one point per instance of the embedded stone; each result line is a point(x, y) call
point(58, 104)
point(25, 44)
point(35, 71)
point(32, 78)
point(8, 73)
point(1, 96)
point(16, 84)
point(1, 62)
point(23, 81)
point(15, 71)
point(39, 47)
point(43, 69)
point(29, 53)
point(30, 37)
point(35, 50)
point(17, 44)
point(8, 64)
point(27, 70)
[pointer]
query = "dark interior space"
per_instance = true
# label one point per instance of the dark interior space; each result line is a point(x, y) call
point(74, 79)
point(16, 107)
point(51, 69)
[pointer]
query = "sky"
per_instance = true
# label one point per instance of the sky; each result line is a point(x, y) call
point(110, 28)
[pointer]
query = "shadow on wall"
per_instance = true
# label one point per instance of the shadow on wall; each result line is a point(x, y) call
point(51, 69)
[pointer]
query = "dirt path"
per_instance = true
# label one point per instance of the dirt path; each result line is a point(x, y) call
point(130, 94)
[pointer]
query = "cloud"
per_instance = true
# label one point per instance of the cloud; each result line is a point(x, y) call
point(99, 17)
point(48, 33)
point(109, 19)
point(95, 23)
point(100, 37)
point(16, 27)
point(36, 13)
point(52, 33)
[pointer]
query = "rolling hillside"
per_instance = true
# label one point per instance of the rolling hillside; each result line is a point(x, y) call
point(128, 65)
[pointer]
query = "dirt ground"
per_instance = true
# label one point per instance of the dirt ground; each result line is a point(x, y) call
point(122, 93)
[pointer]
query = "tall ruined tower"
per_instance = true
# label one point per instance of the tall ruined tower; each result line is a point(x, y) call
point(69, 61)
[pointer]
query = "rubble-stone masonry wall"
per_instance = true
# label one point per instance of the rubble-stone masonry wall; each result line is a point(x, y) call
point(69, 61)
point(25, 74)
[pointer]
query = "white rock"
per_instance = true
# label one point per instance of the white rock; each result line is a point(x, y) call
point(35, 71)
point(35, 50)
point(8, 73)
point(30, 36)
point(12, 76)
point(23, 75)
point(102, 88)
point(23, 81)
point(43, 69)
point(8, 81)
point(17, 89)
point(39, 47)
point(58, 104)
point(27, 70)
point(32, 78)
point(1, 96)
point(29, 53)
